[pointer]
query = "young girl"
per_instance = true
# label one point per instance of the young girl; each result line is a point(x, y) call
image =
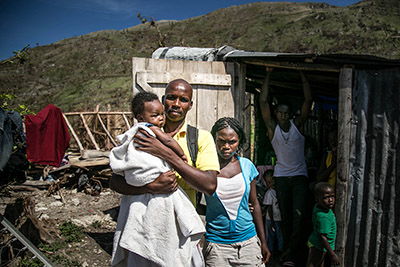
point(273, 215)
point(152, 230)
point(322, 239)
point(232, 238)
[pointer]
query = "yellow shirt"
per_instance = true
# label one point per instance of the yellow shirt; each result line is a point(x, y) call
point(332, 176)
point(207, 158)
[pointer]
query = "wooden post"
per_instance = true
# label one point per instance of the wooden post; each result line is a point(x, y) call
point(343, 159)
point(73, 133)
point(126, 121)
point(107, 132)
point(89, 132)
point(108, 127)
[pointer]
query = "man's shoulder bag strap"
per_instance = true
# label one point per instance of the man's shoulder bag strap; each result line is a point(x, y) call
point(192, 136)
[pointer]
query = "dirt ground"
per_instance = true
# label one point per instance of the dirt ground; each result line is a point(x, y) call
point(97, 215)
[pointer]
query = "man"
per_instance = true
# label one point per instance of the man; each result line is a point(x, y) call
point(177, 102)
point(290, 172)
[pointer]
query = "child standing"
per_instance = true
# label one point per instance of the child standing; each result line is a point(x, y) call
point(322, 239)
point(273, 214)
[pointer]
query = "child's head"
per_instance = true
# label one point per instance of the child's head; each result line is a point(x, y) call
point(324, 195)
point(269, 178)
point(146, 107)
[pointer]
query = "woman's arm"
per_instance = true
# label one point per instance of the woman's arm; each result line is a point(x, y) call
point(258, 221)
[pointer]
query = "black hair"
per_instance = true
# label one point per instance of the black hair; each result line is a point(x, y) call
point(233, 123)
point(138, 101)
point(321, 187)
point(268, 173)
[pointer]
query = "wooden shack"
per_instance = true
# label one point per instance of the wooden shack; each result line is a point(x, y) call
point(358, 93)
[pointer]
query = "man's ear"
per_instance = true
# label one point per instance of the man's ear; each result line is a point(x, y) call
point(163, 99)
point(191, 105)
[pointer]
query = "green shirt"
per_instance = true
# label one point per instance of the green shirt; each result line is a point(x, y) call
point(324, 222)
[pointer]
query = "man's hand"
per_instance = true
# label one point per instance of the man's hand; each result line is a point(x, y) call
point(165, 183)
point(150, 144)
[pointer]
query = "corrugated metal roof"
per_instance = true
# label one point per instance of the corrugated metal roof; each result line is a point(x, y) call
point(359, 60)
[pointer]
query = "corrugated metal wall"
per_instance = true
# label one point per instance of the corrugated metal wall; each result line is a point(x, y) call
point(373, 230)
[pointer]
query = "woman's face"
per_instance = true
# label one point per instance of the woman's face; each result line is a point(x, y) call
point(227, 142)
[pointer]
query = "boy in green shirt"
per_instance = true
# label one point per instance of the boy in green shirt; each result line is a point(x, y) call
point(322, 239)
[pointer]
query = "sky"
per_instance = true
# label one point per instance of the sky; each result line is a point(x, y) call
point(42, 22)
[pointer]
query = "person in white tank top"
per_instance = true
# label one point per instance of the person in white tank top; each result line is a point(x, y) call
point(291, 182)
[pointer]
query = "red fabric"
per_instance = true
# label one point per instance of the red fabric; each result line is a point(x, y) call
point(47, 136)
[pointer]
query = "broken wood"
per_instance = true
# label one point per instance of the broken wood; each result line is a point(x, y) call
point(73, 133)
point(89, 132)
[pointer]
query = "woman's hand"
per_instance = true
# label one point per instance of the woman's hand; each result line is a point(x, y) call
point(266, 254)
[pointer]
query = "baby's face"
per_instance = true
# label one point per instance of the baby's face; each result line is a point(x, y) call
point(269, 180)
point(153, 113)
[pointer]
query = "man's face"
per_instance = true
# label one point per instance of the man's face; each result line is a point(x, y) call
point(283, 114)
point(177, 101)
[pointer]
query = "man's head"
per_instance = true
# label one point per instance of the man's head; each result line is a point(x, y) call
point(283, 113)
point(147, 108)
point(177, 100)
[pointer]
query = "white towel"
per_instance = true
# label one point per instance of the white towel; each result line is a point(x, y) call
point(163, 228)
point(138, 167)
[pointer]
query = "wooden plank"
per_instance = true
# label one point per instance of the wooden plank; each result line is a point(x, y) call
point(107, 132)
point(225, 102)
point(73, 132)
point(144, 78)
point(343, 159)
point(294, 66)
point(91, 137)
point(94, 113)
point(126, 121)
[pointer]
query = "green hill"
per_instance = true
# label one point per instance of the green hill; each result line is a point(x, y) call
point(80, 72)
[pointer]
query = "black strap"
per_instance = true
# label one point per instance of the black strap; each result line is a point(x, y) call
point(192, 134)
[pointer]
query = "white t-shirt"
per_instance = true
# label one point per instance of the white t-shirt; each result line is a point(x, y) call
point(270, 199)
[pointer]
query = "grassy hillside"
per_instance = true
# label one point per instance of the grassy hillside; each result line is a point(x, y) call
point(80, 72)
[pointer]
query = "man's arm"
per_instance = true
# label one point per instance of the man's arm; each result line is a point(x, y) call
point(306, 107)
point(168, 141)
point(204, 181)
point(166, 183)
point(264, 105)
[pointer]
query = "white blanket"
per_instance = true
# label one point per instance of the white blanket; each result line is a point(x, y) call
point(163, 228)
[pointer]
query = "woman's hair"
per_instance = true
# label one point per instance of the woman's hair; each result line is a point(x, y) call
point(232, 123)
point(138, 101)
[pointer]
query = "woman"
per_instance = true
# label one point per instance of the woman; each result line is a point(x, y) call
point(233, 234)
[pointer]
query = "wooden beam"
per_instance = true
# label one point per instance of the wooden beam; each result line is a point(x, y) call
point(107, 132)
point(343, 159)
point(126, 121)
point(100, 112)
point(89, 132)
point(295, 66)
point(73, 132)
